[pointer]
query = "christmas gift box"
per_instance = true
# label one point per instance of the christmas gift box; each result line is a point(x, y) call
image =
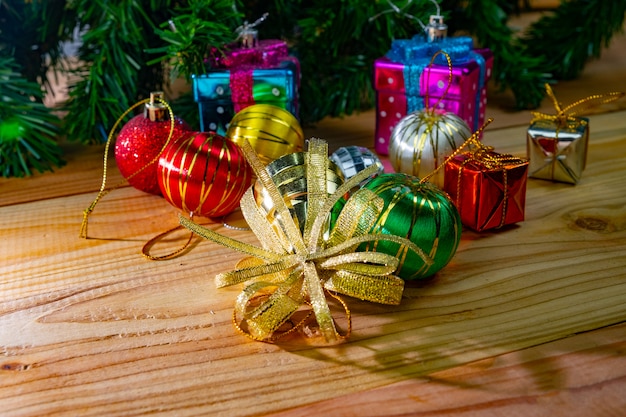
point(406, 80)
point(558, 151)
point(252, 72)
point(488, 188)
point(557, 144)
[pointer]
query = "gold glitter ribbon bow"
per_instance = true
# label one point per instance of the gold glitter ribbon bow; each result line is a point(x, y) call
point(568, 113)
point(293, 270)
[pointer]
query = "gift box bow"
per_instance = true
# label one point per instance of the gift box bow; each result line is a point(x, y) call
point(294, 269)
point(568, 114)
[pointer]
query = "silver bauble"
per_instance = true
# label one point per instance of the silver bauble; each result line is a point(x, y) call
point(422, 140)
point(353, 159)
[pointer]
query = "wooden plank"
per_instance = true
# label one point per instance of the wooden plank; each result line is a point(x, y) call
point(577, 376)
point(93, 328)
point(81, 174)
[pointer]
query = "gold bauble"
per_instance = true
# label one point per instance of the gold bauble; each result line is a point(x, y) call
point(271, 131)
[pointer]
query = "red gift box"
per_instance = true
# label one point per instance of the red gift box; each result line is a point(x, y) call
point(488, 188)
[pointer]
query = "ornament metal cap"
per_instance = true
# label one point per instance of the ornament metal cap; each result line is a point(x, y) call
point(155, 110)
point(436, 30)
point(248, 35)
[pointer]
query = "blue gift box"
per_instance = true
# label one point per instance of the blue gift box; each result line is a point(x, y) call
point(221, 93)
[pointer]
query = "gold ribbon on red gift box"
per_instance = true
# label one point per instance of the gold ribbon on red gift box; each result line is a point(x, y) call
point(484, 159)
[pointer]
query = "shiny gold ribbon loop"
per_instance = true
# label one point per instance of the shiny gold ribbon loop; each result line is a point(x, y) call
point(227, 241)
point(372, 263)
point(241, 275)
point(269, 236)
point(283, 215)
point(382, 290)
point(315, 236)
point(357, 217)
point(568, 113)
point(319, 304)
point(268, 316)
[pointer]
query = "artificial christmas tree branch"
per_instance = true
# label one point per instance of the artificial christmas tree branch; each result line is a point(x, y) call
point(336, 43)
point(568, 37)
point(27, 127)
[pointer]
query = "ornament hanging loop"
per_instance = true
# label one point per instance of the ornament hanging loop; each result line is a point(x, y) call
point(145, 251)
point(445, 92)
point(155, 97)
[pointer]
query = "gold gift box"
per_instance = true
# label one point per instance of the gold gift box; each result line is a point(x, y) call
point(558, 153)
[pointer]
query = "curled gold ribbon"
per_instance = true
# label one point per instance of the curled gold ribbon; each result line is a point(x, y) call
point(293, 270)
point(567, 114)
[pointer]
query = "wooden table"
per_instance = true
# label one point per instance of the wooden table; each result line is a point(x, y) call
point(526, 321)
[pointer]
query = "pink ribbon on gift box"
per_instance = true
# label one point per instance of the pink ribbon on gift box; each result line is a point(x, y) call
point(268, 53)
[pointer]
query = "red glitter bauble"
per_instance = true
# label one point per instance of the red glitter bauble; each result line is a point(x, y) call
point(139, 142)
point(204, 173)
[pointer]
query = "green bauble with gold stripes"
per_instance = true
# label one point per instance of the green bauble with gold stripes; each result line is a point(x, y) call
point(421, 212)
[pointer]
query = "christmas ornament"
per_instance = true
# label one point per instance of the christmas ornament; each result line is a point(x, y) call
point(204, 174)
point(141, 141)
point(407, 79)
point(488, 188)
point(289, 173)
point(293, 272)
point(422, 140)
point(420, 212)
point(353, 159)
point(557, 144)
point(272, 131)
point(250, 72)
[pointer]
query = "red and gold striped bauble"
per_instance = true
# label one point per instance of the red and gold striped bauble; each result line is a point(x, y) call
point(204, 173)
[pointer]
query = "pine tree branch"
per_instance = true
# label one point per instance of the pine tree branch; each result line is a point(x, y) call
point(514, 68)
point(114, 73)
point(27, 127)
point(576, 31)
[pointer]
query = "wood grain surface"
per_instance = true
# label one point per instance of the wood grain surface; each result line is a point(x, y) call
point(90, 327)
